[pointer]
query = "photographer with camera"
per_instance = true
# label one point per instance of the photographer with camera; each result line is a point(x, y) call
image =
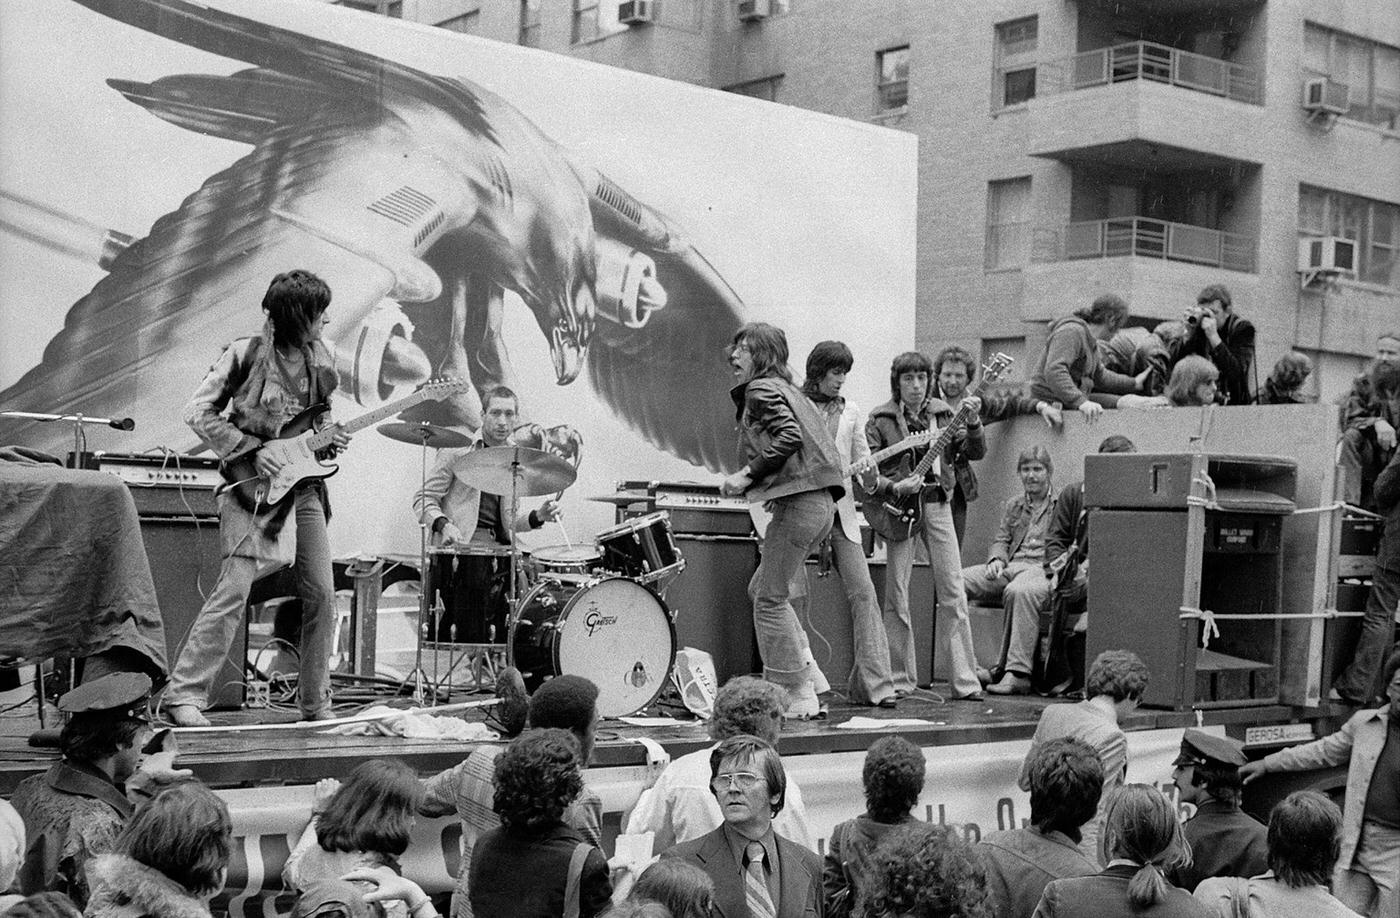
point(1215, 332)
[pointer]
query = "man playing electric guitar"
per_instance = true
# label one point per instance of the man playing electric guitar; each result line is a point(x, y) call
point(254, 389)
point(912, 410)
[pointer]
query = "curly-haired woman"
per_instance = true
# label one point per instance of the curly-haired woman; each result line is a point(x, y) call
point(926, 873)
point(534, 864)
point(893, 776)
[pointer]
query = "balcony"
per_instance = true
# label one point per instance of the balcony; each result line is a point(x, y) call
point(1146, 238)
point(1070, 265)
point(1145, 60)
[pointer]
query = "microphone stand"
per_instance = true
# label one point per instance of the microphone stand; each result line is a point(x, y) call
point(78, 419)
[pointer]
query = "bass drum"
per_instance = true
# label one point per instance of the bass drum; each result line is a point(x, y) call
point(612, 631)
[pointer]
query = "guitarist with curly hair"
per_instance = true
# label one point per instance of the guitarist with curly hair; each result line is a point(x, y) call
point(251, 394)
point(912, 501)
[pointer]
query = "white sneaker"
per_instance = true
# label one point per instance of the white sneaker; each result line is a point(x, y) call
point(802, 703)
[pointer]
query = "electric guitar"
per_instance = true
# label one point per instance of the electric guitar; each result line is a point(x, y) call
point(296, 449)
point(896, 518)
point(760, 516)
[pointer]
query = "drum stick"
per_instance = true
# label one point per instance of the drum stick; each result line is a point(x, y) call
point(567, 541)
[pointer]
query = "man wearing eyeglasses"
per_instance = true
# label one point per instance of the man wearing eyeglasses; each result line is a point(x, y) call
point(757, 873)
point(1215, 332)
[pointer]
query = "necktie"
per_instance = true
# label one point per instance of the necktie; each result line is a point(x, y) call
point(756, 884)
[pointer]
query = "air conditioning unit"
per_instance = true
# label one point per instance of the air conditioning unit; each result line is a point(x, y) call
point(754, 10)
point(1327, 255)
point(634, 12)
point(1321, 95)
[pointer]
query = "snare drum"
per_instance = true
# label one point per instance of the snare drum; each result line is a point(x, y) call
point(566, 559)
point(642, 548)
point(612, 631)
point(472, 581)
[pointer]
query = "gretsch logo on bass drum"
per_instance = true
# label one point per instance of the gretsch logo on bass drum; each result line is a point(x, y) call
point(595, 620)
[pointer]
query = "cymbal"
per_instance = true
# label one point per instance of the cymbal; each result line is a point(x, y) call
point(623, 498)
point(423, 433)
point(535, 471)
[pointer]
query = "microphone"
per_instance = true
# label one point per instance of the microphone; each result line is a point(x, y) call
point(122, 423)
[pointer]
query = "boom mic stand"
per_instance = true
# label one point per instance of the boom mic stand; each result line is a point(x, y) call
point(78, 420)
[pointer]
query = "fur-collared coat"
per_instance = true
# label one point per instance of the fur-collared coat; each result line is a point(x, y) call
point(124, 888)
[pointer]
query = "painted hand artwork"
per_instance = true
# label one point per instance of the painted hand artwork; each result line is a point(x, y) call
point(423, 200)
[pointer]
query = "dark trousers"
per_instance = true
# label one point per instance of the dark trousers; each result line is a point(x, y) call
point(1377, 635)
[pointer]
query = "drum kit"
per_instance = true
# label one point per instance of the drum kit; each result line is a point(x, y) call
point(595, 611)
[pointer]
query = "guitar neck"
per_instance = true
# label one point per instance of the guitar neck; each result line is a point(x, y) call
point(890, 452)
point(322, 439)
point(945, 436)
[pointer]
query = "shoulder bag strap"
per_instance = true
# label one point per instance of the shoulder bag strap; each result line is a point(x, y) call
point(571, 892)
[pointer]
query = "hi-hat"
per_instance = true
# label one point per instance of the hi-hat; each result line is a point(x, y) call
point(424, 434)
point(534, 471)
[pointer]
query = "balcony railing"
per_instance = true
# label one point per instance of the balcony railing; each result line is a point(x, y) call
point(1148, 239)
point(1145, 60)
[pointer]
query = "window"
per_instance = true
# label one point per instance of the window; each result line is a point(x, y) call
point(1008, 227)
point(1375, 225)
point(594, 19)
point(1014, 76)
point(530, 23)
point(892, 75)
point(1370, 70)
point(585, 21)
point(468, 23)
point(765, 88)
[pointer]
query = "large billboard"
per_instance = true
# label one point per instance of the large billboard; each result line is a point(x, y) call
point(588, 236)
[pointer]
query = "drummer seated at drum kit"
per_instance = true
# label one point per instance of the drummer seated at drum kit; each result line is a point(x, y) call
point(462, 516)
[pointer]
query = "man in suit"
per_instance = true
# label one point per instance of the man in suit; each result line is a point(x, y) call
point(757, 873)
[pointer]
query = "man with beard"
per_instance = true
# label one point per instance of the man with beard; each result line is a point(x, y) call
point(953, 370)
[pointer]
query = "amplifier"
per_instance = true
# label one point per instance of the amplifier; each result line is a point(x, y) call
point(163, 484)
point(696, 507)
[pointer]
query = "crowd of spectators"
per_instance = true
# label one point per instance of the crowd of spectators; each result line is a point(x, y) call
point(733, 839)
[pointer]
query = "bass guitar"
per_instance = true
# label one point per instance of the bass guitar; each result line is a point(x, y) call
point(896, 518)
point(302, 439)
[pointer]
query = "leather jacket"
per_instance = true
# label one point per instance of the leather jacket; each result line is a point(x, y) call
point(786, 441)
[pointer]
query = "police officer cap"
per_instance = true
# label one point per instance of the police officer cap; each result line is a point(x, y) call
point(1199, 748)
point(116, 694)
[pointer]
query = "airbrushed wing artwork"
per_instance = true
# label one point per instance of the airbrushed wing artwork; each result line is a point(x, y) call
point(466, 232)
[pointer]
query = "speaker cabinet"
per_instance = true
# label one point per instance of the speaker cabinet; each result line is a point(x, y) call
point(828, 621)
point(710, 601)
point(184, 557)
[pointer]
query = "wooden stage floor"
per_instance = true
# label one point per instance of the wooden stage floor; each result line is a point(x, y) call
point(274, 755)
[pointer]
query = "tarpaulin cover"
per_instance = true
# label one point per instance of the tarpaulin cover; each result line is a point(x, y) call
point(74, 577)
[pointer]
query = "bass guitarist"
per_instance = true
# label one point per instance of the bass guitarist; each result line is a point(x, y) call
point(911, 410)
point(254, 389)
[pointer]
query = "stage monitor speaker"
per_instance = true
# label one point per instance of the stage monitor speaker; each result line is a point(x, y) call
point(710, 601)
point(185, 560)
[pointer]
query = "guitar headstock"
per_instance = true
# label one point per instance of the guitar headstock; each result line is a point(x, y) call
point(439, 389)
point(995, 367)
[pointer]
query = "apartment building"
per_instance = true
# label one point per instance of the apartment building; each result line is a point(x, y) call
point(1144, 147)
